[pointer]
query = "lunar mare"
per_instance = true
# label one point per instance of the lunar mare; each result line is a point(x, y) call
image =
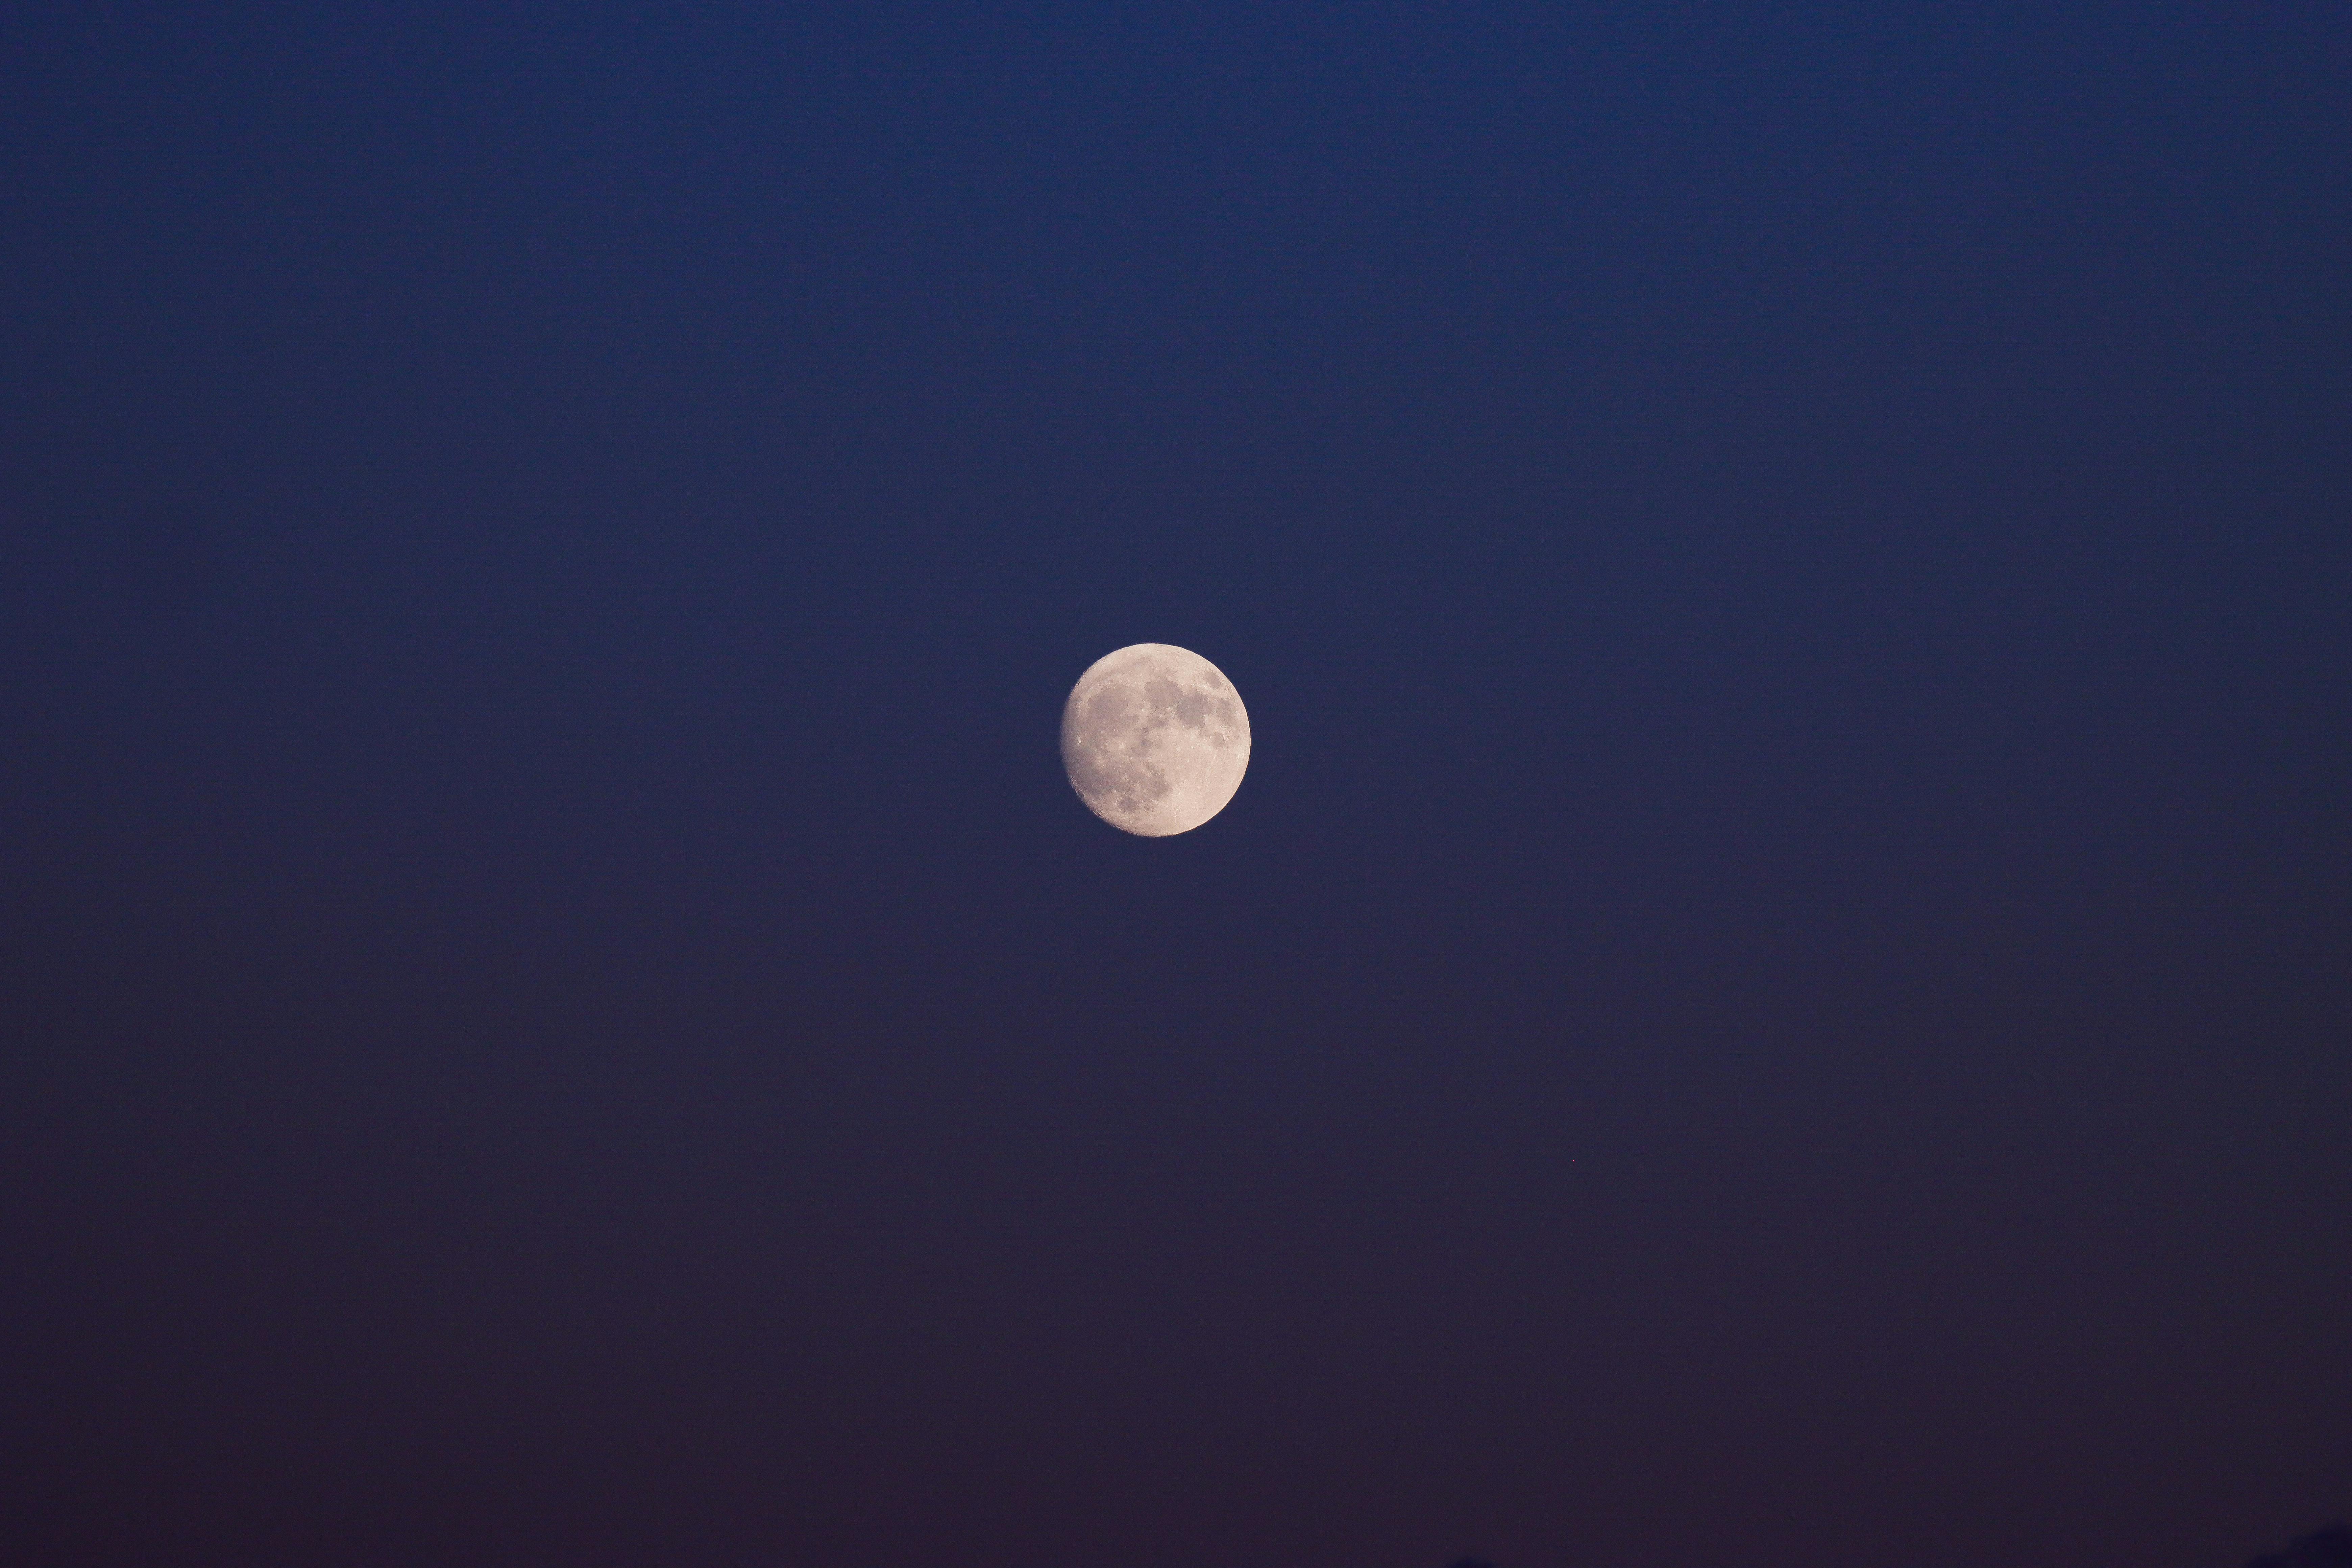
point(1155, 739)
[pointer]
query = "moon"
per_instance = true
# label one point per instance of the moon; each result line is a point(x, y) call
point(1155, 739)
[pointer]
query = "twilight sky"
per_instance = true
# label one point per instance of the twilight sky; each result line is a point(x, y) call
point(1779, 989)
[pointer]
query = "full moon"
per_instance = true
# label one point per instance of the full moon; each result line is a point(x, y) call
point(1155, 739)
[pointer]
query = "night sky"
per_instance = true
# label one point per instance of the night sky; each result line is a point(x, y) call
point(1778, 990)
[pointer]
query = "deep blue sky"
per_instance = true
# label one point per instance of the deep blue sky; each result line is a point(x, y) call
point(1777, 990)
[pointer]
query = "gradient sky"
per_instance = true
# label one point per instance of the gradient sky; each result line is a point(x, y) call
point(1779, 989)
